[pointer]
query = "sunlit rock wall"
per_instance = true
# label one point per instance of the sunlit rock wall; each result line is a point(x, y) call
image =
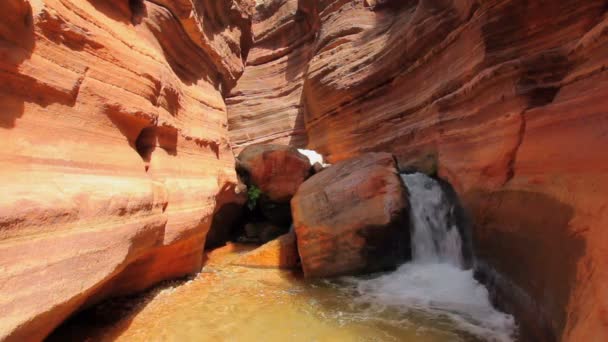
point(115, 152)
point(508, 100)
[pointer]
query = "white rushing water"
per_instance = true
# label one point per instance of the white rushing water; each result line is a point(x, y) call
point(435, 281)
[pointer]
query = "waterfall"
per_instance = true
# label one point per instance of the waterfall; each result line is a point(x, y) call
point(434, 238)
point(435, 281)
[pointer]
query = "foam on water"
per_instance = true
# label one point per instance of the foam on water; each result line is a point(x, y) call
point(435, 281)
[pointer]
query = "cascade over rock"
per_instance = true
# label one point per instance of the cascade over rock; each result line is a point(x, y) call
point(504, 99)
point(115, 151)
point(352, 218)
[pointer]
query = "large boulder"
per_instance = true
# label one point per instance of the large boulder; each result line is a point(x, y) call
point(276, 170)
point(352, 218)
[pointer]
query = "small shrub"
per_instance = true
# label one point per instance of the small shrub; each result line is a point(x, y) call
point(253, 194)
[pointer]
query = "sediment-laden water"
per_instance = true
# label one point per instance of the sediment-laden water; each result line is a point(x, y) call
point(431, 298)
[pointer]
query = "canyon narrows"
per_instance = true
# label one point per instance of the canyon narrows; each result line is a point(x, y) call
point(121, 120)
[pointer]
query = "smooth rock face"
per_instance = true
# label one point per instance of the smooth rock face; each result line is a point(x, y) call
point(114, 149)
point(279, 253)
point(277, 170)
point(352, 218)
point(505, 99)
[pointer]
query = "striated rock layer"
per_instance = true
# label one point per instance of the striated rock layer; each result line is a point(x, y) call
point(266, 106)
point(506, 99)
point(115, 153)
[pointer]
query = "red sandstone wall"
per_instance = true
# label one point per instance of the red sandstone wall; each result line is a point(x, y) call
point(266, 105)
point(114, 147)
point(508, 100)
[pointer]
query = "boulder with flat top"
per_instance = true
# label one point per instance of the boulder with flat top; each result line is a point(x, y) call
point(352, 218)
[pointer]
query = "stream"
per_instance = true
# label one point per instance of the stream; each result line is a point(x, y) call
point(431, 298)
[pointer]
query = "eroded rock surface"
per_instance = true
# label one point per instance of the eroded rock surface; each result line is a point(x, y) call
point(277, 170)
point(505, 99)
point(115, 148)
point(266, 105)
point(352, 218)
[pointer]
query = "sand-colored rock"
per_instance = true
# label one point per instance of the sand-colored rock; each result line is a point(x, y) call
point(352, 218)
point(281, 252)
point(505, 99)
point(114, 150)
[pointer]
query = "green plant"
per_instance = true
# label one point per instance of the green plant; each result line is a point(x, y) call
point(253, 194)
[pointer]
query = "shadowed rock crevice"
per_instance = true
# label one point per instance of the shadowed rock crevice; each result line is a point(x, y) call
point(156, 136)
point(228, 215)
point(179, 50)
point(138, 11)
point(547, 254)
point(16, 46)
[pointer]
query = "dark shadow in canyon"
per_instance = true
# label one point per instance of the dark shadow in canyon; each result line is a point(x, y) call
point(142, 133)
point(227, 217)
point(16, 46)
point(138, 11)
point(129, 12)
point(299, 137)
point(109, 319)
point(459, 218)
point(527, 256)
point(307, 21)
point(115, 10)
point(185, 58)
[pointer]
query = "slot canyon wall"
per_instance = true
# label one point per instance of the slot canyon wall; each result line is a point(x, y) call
point(506, 99)
point(115, 148)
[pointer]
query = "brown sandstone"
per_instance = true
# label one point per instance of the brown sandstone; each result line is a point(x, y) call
point(352, 218)
point(505, 99)
point(115, 148)
point(116, 144)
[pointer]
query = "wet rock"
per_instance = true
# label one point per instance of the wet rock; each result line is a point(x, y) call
point(279, 253)
point(352, 218)
point(275, 212)
point(262, 232)
point(276, 170)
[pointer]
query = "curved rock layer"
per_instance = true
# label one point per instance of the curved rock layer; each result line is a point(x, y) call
point(506, 99)
point(115, 153)
point(266, 106)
